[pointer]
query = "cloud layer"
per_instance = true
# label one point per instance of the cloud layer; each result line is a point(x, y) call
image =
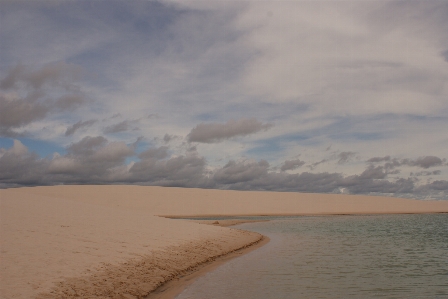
point(96, 160)
point(310, 96)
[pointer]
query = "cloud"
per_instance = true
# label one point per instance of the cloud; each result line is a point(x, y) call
point(87, 146)
point(437, 185)
point(363, 82)
point(68, 102)
point(373, 173)
point(253, 175)
point(92, 159)
point(357, 185)
point(16, 112)
point(241, 172)
point(314, 165)
point(120, 127)
point(18, 166)
point(426, 173)
point(445, 55)
point(344, 157)
point(291, 164)
point(324, 74)
point(28, 95)
point(167, 138)
point(95, 160)
point(216, 132)
point(154, 153)
point(80, 124)
point(54, 74)
point(12, 78)
point(182, 171)
point(435, 190)
point(62, 165)
point(379, 159)
point(423, 162)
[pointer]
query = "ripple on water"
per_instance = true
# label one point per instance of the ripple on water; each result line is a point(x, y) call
point(386, 256)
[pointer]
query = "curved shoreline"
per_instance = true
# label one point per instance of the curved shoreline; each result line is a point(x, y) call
point(108, 242)
point(170, 289)
point(138, 278)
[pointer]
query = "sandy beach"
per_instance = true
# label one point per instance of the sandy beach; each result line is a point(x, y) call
point(116, 242)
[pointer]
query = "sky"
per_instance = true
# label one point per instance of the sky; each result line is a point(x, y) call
point(304, 96)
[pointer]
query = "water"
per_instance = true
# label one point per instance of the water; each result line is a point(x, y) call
point(387, 256)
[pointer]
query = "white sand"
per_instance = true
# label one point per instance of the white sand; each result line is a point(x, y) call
point(106, 242)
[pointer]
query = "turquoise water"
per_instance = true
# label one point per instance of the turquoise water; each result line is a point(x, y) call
point(387, 256)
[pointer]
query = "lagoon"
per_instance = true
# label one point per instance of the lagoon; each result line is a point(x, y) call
point(378, 256)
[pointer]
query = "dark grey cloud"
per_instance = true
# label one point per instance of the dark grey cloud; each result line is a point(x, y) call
point(373, 173)
point(358, 185)
point(291, 164)
point(92, 159)
point(167, 138)
point(314, 165)
point(240, 172)
point(120, 127)
point(369, 64)
point(154, 153)
point(253, 175)
point(182, 171)
point(55, 74)
point(153, 116)
point(68, 102)
point(87, 146)
point(17, 112)
point(379, 159)
point(28, 95)
point(80, 124)
point(216, 132)
point(14, 76)
point(20, 167)
point(423, 162)
point(435, 190)
point(426, 173)
point(116, 115)
point(344, 157)
point(392, 164)
point(445, 55)
point(437, 185)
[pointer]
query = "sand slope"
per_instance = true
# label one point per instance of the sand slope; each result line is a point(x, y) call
point(107, 242)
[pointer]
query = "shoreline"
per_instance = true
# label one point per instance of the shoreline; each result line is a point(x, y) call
point(173, 287)
point(199, 217)
point(170, 289)
point(158, 271)
point(109, 241)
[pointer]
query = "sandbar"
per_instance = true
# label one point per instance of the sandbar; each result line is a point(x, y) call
point(119, 242)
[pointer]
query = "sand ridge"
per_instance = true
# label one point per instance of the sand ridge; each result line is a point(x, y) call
point(59, 238)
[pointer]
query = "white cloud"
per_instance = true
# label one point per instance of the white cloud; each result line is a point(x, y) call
point(333, 57)
point(366, 77)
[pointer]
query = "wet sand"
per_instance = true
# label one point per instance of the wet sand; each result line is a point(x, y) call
point(174, 287)
point(109, 241)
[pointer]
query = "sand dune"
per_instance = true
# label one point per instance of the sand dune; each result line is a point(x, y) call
point(108, 241)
